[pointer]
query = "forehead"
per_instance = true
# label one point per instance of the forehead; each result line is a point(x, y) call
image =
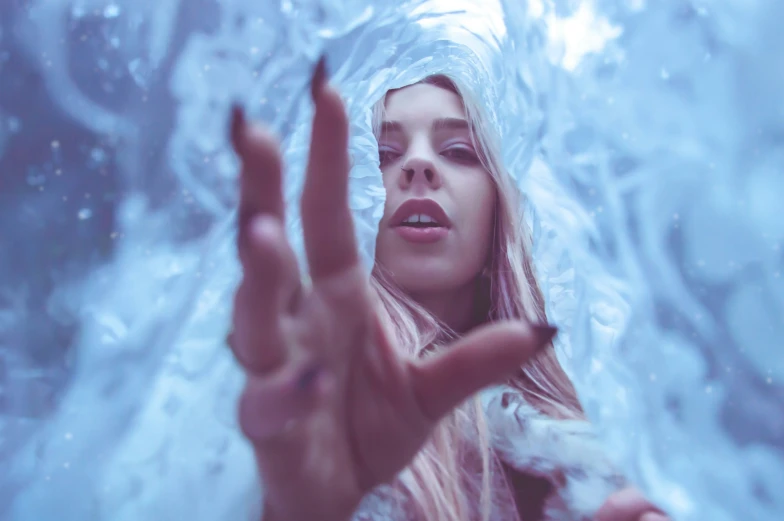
point(423, 103)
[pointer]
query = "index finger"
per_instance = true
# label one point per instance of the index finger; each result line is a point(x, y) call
point(261, 174)
point(326, 219)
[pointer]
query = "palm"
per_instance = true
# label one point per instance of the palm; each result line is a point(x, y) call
point(368, 424)
point(379, 417)
point(329, 405)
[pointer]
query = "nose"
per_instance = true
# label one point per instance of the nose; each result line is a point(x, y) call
point(419, 172)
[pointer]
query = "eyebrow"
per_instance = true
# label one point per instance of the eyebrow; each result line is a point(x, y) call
point(438, 124)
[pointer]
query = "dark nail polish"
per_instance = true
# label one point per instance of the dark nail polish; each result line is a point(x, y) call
point(237, 124)
point(308, 377)
point(544, 333)
point(319, 77)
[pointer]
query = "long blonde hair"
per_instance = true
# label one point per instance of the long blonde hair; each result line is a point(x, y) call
point(437, 482)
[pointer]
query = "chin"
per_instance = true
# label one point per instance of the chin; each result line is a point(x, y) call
point(428, 276)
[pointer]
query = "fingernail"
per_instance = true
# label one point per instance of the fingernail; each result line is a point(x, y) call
point(237, 125)
point(319, 77)
point(544, 333)
point(308, 377)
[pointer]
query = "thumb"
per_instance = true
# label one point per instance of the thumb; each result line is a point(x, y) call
point(486, 356)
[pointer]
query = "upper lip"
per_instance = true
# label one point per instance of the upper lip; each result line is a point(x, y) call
point(420, 206)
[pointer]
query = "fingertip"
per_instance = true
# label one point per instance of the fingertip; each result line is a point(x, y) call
point(253, 143)
point(237, 126)
point(333, 101)
point(262, 144)
point(538, 335)
point(319, 78)
point(655, 516)
point(543, 333)
point(331, 125)
point(629, 503)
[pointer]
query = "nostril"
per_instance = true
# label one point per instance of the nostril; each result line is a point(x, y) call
point(429, 175)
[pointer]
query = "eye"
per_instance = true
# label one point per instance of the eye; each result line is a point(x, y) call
point(461, 154)
point(387, 155)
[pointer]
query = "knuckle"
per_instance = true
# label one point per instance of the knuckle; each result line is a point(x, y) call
point(248, 414)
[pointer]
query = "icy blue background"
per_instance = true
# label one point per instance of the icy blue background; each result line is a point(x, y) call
point(654, 165)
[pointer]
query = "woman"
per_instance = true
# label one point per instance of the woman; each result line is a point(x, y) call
point(357, 397)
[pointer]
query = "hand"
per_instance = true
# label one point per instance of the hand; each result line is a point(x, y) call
point(629, 505)
point(330, 406)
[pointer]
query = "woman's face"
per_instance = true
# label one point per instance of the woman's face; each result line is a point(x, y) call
point(436, 231)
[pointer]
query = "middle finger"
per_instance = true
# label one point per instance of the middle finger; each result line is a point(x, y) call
point(326, 218)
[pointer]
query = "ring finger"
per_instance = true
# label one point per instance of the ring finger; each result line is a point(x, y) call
point(269, 291)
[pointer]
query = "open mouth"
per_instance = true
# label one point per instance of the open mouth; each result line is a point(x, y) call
point(422, 228)
point(420, 221)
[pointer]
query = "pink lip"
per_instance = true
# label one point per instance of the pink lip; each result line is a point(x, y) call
point(421, 235)
point(417, 206)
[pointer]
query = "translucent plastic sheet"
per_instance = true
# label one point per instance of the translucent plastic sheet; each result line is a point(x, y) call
point(646, 134)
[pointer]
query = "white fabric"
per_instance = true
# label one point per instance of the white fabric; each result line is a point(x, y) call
point(565, 452)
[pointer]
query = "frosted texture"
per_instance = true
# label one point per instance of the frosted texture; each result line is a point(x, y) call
point(648, 136)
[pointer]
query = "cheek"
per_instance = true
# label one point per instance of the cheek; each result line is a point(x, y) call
point(388, 188)
point(480, 199)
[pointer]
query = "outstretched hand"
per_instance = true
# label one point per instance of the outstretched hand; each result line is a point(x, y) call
point(330, 406)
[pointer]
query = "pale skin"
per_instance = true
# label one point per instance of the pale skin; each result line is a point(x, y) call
point(426, 152)
point(329, 405)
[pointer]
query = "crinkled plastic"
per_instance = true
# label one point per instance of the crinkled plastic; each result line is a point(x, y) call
point(646, 135)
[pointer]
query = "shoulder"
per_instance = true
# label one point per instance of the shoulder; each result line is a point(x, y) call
point(565, 452)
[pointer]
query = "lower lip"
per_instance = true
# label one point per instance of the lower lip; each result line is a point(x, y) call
point(422, 235)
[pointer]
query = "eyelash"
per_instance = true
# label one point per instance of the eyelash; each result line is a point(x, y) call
point(459, 154)
point(384, 156)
